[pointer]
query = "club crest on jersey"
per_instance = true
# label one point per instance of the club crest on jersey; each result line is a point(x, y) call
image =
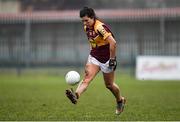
point(93, 43)
point(92, 34)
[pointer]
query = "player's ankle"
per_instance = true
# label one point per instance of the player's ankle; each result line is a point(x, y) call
point(77, 95)
point(120, 100)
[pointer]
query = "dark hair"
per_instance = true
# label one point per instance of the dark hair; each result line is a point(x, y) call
point(87, 12)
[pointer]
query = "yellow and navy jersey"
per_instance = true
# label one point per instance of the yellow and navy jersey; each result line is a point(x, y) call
point(97, 37)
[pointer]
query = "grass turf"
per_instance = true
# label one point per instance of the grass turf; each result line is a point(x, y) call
point(36, 97)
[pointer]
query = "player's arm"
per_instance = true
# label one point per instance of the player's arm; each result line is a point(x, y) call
point(112, 46)
point(107, 36)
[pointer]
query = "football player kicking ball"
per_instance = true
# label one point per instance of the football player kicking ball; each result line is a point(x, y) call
point(102, 57)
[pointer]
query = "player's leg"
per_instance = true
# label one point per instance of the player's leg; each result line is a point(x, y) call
point(113, 87)
point(90, 72)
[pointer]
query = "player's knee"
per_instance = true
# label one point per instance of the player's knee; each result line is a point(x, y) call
point(85, 82)
point(88, 76)
point(109, 86)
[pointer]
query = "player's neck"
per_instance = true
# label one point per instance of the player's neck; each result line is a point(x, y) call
point(93, 24)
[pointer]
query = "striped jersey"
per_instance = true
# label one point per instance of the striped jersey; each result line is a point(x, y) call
point(97, 39)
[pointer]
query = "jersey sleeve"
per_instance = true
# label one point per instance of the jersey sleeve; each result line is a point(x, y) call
point(103, 31)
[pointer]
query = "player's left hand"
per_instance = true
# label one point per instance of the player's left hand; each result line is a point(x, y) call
point(113, 63)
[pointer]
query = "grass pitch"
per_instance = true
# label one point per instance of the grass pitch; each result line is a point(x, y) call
point(41, 97)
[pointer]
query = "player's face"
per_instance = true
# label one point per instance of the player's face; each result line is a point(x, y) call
point(88, 21)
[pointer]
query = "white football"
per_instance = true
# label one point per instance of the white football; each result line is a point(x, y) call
point(72, 77)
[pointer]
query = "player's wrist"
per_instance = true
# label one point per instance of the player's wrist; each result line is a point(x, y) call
point(113, 63)
point(113, 58)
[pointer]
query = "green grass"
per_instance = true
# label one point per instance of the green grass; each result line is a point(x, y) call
point(36, 97)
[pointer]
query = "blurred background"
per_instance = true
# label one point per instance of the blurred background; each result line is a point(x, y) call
point(49, 33)
point(41, 40)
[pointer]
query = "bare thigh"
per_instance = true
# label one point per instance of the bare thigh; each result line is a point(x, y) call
point(90, 72)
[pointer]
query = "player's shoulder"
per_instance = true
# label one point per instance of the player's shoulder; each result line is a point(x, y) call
point(98, 25)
